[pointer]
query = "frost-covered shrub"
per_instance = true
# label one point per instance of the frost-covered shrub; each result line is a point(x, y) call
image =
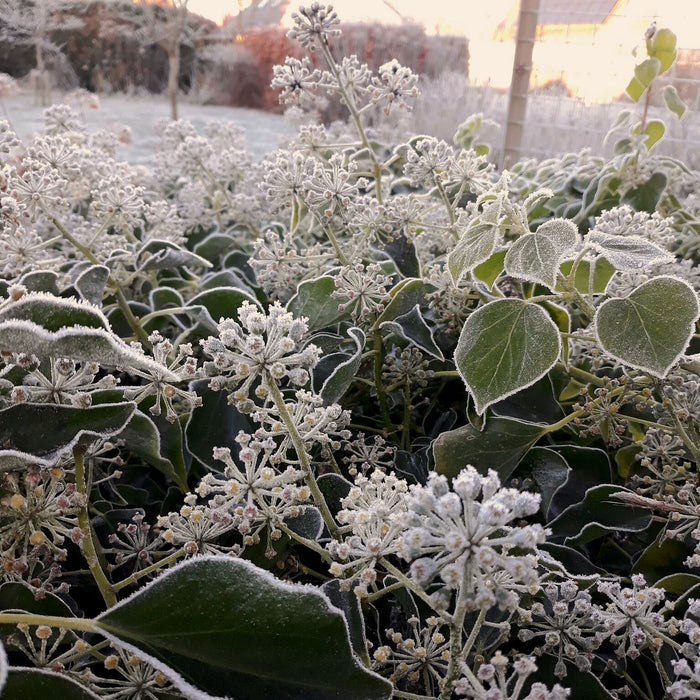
point(368, 418)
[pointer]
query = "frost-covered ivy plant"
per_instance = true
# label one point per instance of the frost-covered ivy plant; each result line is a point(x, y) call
point(364, 420)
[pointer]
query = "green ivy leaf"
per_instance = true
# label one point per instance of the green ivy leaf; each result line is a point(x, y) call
point(313, 300)
point(45, 431)
point(644, 73)
point(226, 627)
point(473, 248)
point(412, 327)
point(654, 130)
point(505, 346)
point(673, 101)
point(404, 296)
point(159, 254)
point(627, 253)
point(39, 684)
point(91, 283)
point(499, 446)
point(650, 328)
point(646, 197)
point(489, 270)
point(535, 257)
point(337, 383)
point(221, 302)
point(215, 411)
point(54, 313)
point(597, 515)
point(548, 469)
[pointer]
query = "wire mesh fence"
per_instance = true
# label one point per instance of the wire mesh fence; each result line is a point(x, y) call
point(582, 59)
point(583, 56)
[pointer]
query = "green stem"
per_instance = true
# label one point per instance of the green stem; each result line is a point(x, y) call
point(456, 630)
point(69, 623)
point(378, 383)
point(383, 591)
point(89, 548)
point(406, 582)
point(165, 561)
point(336, 246)
point(303, 455)
point(141, 335)
point(311, 544)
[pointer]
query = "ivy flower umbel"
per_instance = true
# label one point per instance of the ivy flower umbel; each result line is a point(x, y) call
point(158, 382)
point(259, 348)
point(314, 23)
point(370, 522)
point(462, 534)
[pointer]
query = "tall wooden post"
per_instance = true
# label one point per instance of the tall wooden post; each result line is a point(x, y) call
point(520, 82)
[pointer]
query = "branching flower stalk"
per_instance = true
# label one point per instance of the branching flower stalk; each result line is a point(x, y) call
point(302, 454)
point(88, 535)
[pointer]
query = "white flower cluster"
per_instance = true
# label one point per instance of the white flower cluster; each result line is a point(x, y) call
point(461, 535)
point(259, 348)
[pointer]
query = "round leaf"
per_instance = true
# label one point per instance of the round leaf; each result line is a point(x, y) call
point(651, 327)
point(505, 346)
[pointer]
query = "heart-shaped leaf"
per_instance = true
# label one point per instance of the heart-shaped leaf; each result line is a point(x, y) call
point(313, 300)
point(535, 257)
point(650, 328)
point(505, 346)
point(226, 627)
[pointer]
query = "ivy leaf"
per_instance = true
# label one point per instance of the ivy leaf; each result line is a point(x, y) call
point(91, 283)
point(337, 383)
point(627, 253)
point(474, 247)
point(673, 101)
point(597, 515)
point(650, 328)
point(313, 300)
point(44, 431)
point(505, 346)
point(535, 257)
point(223, 625)
point(499, 446)
point(165, 255)
point(39, 684)
point(411, 326)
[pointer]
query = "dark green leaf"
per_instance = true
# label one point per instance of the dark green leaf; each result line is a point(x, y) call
point(404, 296)
point(334, 488)
point(337, 383)
point(222, 302)
point(91, 283)
point(165, 255)
point(602, 272)
point(548, 469)
point(224, 625)
point(646, 197)
point(309, 524)
point(411, 326)
point(47, 430)
point(143, 439)
point(313, 300)
point(534, 404)
point(499, 446)
point(598, 515)
point(349, 604)
point(37, 684)
point(214, 424)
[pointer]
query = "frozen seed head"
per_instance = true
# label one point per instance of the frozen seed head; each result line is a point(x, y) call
point(316, 23)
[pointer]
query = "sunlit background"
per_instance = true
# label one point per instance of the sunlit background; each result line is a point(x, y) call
point(586, 44)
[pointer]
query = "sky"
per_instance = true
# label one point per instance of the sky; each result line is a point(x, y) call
point(444, 16)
